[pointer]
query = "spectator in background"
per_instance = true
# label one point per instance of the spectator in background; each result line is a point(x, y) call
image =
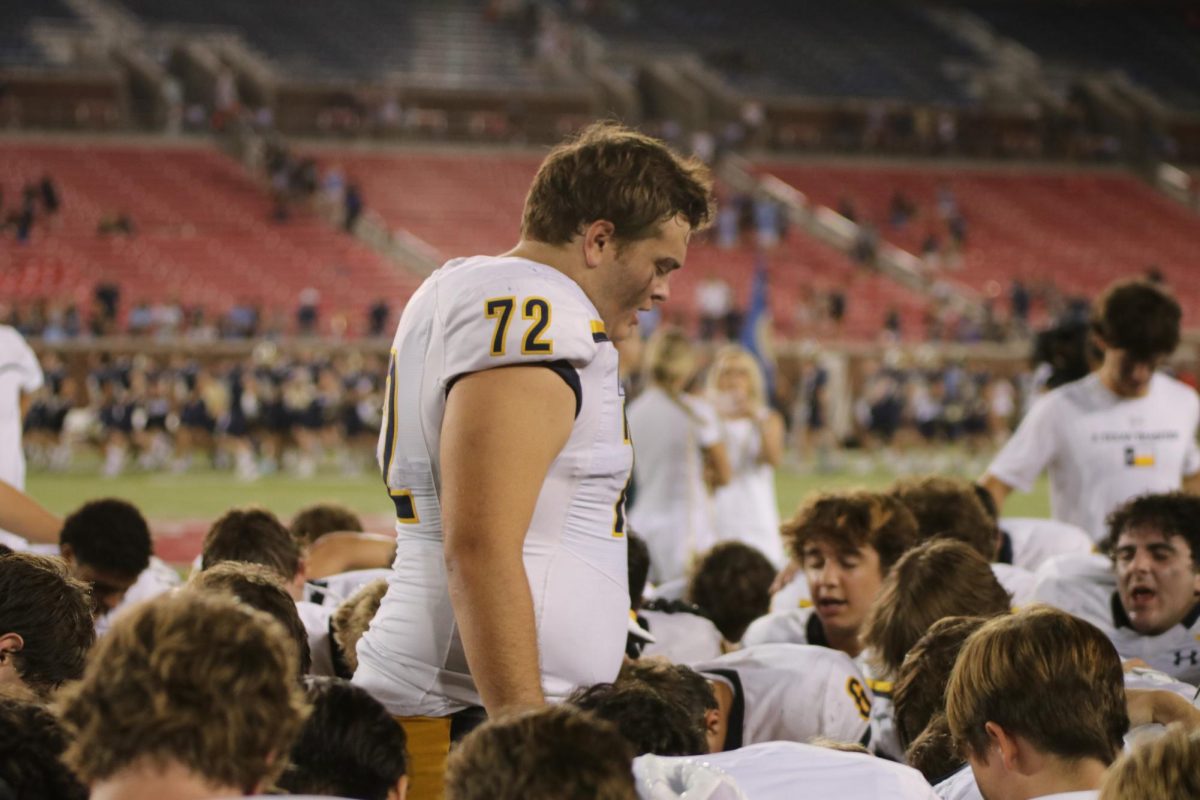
point(352, 206)
point(714, 299)
point(378, 317)
point(306, 312)
point(50, 198)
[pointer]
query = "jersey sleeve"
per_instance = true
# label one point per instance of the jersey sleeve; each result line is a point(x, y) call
point(28, 369)
point(1191, 457)
point(518, 321)
point(1031, 448)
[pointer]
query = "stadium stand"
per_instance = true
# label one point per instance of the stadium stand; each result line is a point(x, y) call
point(1082, 229)
point(444, 43)
point(847, 49)
point(17, 46)
point(1156, 45)
point(203, 234)
point(469, 203)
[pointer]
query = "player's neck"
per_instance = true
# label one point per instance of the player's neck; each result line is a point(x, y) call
point(1061, 776)
point(559, 257)
point(848, 643)
point(149, 781)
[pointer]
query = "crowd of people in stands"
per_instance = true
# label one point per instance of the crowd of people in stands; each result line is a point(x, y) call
point(38, 202)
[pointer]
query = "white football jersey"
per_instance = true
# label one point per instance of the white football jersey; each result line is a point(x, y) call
point(333, 590)
point(781, 771)
point(793, 693)
point(794, 594)
point(1030, 542)
point(680, 636)
point(1019, 583)
point(475, 314)
point(1086, 587)
point(794, 626)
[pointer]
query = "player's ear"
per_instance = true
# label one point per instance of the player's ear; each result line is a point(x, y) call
point(599, 244)
point(1005, 745)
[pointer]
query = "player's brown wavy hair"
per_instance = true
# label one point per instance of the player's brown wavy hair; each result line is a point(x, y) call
point(1138, 316)
point(189, 678)
point(610, 172)
point(935, 580)
point(850, 520)
point(949, 508)
point(1045, 675)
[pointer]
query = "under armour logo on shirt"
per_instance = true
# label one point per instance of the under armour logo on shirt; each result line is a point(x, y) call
point(1192, 658)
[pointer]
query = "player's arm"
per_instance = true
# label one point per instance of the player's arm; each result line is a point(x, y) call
point(717, 469)
point(998, 489)
point(1159, 706)
point(22, 515)
point(343, 551)
point(501, 431)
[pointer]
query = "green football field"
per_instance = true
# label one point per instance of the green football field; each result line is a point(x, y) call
point(203, 495)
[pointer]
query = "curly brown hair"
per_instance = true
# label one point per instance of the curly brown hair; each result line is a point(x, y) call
point(949, 508)
point(192, 678)
point(731, 584)
point(1138, 316)
point(851, 520)
point(610, 172)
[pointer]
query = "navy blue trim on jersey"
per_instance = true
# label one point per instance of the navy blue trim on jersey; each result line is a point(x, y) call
point(599, 336)
point(736, 724)
point(814, 631)
point(570, 376)
point(389, 414)
point(1005, 556)
point(1192, 616)
point(562, 368)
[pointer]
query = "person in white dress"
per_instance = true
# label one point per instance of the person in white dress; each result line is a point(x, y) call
point(679, 459)
point(746, 509)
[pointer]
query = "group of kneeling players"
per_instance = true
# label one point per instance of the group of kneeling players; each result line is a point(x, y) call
point(995, 658)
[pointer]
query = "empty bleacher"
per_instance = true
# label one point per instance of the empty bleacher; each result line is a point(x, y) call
point(17, 45)
point(1155, 44)
point(851, 48)
point(426, 42)
point(470, 203)
point(203, 235)
point(1080, 230)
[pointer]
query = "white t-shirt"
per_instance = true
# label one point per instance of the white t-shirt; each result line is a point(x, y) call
point(1032, 541)
point(1101, 449)
point(1085, 586)
point(20, 374)
point(791, 692)
point(681, 636)
point(672, 509)
point(471, 315)
point(959, 786)
point(780, 771)
point(745, 508)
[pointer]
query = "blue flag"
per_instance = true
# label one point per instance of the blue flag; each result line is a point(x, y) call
point(756, 326)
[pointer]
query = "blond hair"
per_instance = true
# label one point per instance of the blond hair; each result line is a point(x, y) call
point(353, 617)
point(1162, 769)
point(737, 357)
point(670, 360)
point(193, 678)
point(1044, 675)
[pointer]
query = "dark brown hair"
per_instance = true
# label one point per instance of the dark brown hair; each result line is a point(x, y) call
point(554, 753)
point(1170, 513)
point(732, 586)
point(948, 508)
point(612, 173)
point(52, 613)
point(1140, 317)
point(920, 690)
point(935, 580)
point(254, 535)
point(312, 522)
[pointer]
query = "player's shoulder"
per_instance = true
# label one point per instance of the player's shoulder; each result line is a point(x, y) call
point(789, 626)
point(1174, 390)
point(500, 311)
